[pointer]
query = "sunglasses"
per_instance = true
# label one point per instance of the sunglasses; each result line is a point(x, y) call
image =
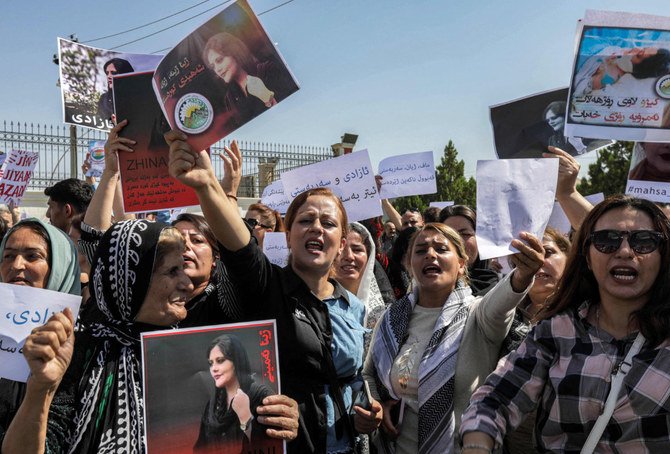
point(640, 241)
point(253, 223)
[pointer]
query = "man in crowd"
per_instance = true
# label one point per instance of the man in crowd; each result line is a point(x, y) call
point(67, 199)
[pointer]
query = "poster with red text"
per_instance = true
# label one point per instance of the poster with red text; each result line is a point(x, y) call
point(202, 387)
point(221, 76)
point(145, 181)
point(15, 173)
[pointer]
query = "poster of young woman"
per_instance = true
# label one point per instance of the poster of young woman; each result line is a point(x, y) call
point(146, 183)
point(202, 387)
point(649, 175)
point(86, 81)
point(221, 76)
point(620, 86)
point(524, 128)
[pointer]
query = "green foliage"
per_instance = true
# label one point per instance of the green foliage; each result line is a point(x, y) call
point(79, 73)
point(608, 174)
point(451, 185)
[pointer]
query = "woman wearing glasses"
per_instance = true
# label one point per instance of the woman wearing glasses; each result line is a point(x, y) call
point(612, 299)
point(261, 218)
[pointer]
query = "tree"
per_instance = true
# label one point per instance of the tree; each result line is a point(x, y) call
point(451, 184)
point(610, 171)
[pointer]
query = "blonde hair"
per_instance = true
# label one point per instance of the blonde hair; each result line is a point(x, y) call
point(451, 235)
point(170, 240)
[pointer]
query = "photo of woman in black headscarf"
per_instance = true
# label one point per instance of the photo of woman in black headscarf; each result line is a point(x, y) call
point(252, 86)
point(106, 101)
point(229, 422)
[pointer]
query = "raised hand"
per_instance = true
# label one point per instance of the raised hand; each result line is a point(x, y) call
point(232, 169)
point(114, 144)
point(528, 261)
point(192, 168)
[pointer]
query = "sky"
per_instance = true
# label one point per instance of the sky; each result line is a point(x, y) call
point(406, 76)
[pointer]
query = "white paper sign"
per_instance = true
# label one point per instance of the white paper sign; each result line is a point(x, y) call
point(16, 173)
point(275, 248)
point(560, 221)
point(273, 196)
point(21, 310)
point(441, 205)
point(349, 176)
point(407, 174)
point(513, 196)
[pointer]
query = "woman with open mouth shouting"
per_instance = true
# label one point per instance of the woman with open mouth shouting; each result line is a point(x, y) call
point(596, 367)
point(432, 348)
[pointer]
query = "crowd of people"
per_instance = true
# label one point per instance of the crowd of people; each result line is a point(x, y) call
point(569, 349)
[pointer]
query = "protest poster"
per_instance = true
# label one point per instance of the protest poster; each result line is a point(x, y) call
point(407, 174)
point(649, 174)
point(441, 205)
point(86, 81)
point(221, 76)
point(620, 86)
point(513, 196)
point(525, 127)
point(349, 176)
point(273, 196)
point(559, 220)
point(15, 173)
point(145, 180)
point(96, 158)
point(182, 389)
point(275, 248)
point(23, 308)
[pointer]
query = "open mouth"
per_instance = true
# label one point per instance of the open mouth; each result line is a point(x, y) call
point(314, 246)
point(431, 270)
point(623, 274)
point(348, 268)
point(542, 275)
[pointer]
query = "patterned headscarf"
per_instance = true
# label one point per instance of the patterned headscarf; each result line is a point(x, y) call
point(64, 274)
point(109, 416)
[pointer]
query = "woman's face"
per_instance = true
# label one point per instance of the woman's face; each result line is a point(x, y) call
point(25, 260)
point(658, 157)
point(110, 71)
point(639, 54)
point(350, 264)
point(555, 120)
point(198, 256)
point(435, 263)
point(225, 66)
point(467, 234)
point(259, 230)
point(624, 275)
point(552, 270)
point(315, 237)
point(222, 369)
point(169, 290)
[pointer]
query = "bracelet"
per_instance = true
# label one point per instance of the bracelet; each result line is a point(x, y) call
point(230, 196)
point(476, 447)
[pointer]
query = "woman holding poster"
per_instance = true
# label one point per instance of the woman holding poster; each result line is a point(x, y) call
point(319, 324)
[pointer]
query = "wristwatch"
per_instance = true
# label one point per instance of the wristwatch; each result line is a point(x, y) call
point(245, 425)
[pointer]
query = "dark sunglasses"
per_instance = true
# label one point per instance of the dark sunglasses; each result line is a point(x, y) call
point(253, 223)
point(640, 241)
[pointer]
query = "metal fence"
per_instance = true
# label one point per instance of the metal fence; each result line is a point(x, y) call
point(62, 150)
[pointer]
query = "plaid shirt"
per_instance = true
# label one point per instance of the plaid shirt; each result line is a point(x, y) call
point(565, 364)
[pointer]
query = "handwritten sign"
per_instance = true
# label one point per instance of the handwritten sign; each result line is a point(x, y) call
point(407, 174)
point(205, 96)
point(621, 84)
point(145, 180)
point(16, 172)
point(441, 205)
point(173, 395)
point(560, 221)
point(349, 176)
point(273, 196)
point(275, 248)
point(513, 196)
point(21, 310)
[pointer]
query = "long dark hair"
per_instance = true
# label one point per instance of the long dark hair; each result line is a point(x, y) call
point(579, 284)
point(234, 351)
point(201, 225)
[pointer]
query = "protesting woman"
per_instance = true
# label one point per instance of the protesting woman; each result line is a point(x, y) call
point(261, 218)
point(436, 345)
point(319, 324)
point(37, 255)
point(596, 366)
